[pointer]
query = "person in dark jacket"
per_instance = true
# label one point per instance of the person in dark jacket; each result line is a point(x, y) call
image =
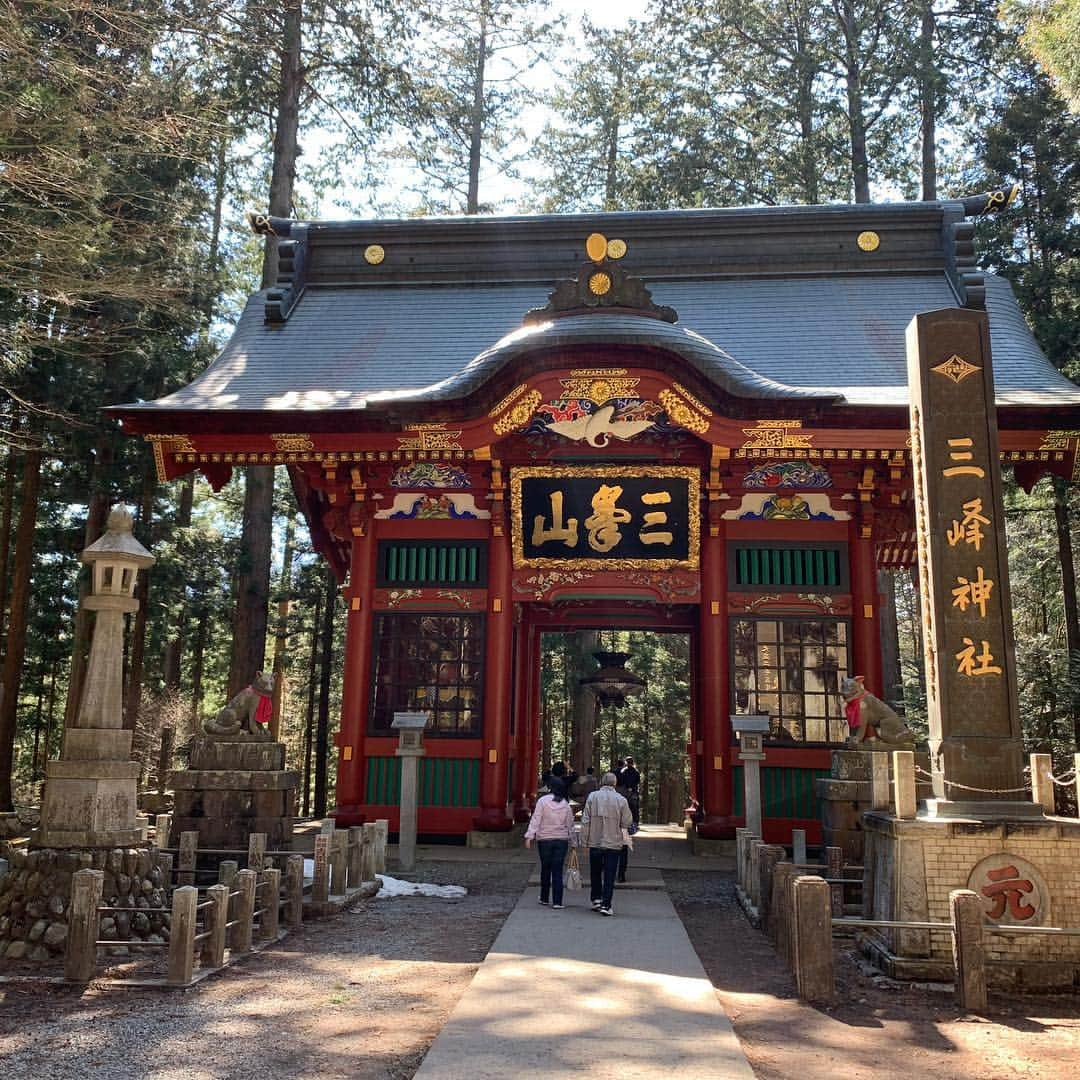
point(629, 787)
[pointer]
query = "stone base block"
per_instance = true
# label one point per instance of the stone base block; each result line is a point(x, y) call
point(233, 780)
point(97, 744)
point(237, 753)
point(232, 834)
point(511, 838)
point(707, 845)
point(90, 804)
point(1027, 872)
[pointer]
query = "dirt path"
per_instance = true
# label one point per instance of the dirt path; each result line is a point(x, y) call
point(358, 996)
point(876, 1032)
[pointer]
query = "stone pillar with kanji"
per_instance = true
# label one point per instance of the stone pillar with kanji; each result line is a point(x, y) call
point(976, 748)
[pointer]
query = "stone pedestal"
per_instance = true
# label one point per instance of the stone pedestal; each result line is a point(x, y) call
point(845, 795)
point(235, 787)
point(1026, 872)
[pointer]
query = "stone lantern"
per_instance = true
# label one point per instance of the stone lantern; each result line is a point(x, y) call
point(91, 793)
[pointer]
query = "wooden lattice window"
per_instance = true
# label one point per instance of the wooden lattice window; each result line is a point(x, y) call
point(432, 562)
point(789, 566)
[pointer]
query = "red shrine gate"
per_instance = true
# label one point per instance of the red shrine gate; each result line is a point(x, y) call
point(607, 462)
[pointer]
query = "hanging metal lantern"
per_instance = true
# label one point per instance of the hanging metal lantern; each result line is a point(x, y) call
point(613, 683)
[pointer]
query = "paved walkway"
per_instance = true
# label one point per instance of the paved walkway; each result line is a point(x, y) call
point(572, 994)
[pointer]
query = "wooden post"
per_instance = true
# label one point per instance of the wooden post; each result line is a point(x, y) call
point(813, 940)
point(217, 918)
point(780, 922)
point(245, 911)
point(382, 836)
point(798, 847)
point(339, 862)
point(257, 852)
point(969, 954)
point(369, 851)
point(741, 833)
point(834, 858)
point(356, 856)
point(83, 921)
point(182, 935)
point(879, 781)
point(185, 864)
point(268, 922)
point(1042, 786)
point(320, 886)
point(294, 890)
point(907, 803)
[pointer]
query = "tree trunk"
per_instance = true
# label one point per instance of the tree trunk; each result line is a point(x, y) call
point(281, 631)
point(582, 749)
point(928, 93)
point(323, 730)
point(611, 135)
point(16, 635)
point(806, 72)
point(252, 580)
point(133, 698)
point(309, 724)
point(10, 473)
point(198, 657)
point(891, 691)
point(97, 513)
point(1068, 582)
point(476, 120)
point(252, 583)
point(860, 166)
point(174, 646)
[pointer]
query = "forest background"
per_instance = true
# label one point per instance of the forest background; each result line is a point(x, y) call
point(134, 135)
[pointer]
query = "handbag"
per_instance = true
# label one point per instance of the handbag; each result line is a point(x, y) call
point(572, 871)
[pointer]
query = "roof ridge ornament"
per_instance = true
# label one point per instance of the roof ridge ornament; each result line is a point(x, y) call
point(601, 285)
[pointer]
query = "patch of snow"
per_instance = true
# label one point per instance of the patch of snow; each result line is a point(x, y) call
point(391, 887)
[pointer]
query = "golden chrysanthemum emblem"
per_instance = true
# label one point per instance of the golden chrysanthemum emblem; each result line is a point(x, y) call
point(599, 284)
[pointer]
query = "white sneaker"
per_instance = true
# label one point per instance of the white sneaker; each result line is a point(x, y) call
point(606, 911)
point(556, 907)
point(597, 905)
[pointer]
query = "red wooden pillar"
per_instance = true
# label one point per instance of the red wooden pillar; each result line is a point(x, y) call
point(356, 679)
point(713, 697)
point(497, 675)
point(522, 737)
point(865, 603)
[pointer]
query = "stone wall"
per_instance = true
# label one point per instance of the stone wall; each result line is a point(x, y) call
point(35, 895)
point(912, 866)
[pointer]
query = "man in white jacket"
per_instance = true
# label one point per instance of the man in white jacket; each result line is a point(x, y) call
point(605, 817)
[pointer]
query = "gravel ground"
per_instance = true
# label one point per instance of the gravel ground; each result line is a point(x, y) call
point(360, 995)
point(878, 1030)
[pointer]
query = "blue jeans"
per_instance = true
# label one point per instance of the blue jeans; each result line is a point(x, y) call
point(552, 856)
point(603, 864)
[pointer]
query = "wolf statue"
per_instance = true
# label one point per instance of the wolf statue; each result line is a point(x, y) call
point(248, 713)
point(871, 723)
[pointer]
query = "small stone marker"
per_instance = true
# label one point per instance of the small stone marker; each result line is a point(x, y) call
point(83, 920)
point(880, 795)
point(1042, 784)
point(320, 886)
point(339, 862)
point(162, 823)
point(768, 858)
point(798, 847)
point(969, 954)
point(834, 857)
point(257, 852)
point(370, 838)
point(907, 802)
point(356, 856)
point(185, 866)
point(382, 836)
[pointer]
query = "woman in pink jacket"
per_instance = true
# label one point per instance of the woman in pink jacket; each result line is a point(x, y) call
point(552, 827)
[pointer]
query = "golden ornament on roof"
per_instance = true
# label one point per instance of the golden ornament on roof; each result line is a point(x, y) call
point(599, 284)
point(868, 241)
point(596, 246)
point(374, 254)
point(616, 249)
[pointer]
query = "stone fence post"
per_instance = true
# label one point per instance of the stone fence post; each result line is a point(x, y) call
point(370, 832)
point(813, 940)
point(798, 847)
point(382, 838)
point(256, 859)
point(320, 885)
point(1042, 784)
point(907, 802)
point(339, 863)
point(769, 856)
point(969, 953)
point(83, 921)
point(880, 795)
point(271, 904)
point(185, 864)
point(356, 856)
